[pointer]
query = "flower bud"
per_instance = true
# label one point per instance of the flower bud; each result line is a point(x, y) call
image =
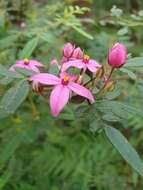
point(64, 59)
point(117, 55)
point(54, 62)
point(77, 54)
point(68, 50)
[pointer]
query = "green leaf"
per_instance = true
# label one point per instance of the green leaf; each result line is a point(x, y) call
point(129, 72)
point(13, 98)
point(7, 174)
point(113, 95)
point(6, 81)
point(117, 108)
point(29, 48)
point(67, 114)
point(9, 149)
point(7, 41)
point(9, 74)
point(125, 149)
point(110, 117)
point(82, 32)
point(48, 37)
point(25, 72)
point(134, 62)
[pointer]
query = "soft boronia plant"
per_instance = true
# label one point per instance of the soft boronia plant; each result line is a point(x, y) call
point(78, 79)
point(66, 85)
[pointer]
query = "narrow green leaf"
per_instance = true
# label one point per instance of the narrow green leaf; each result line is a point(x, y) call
point(7, 41)
point(29, 48)
point(134, 62)
point(82, 32)
point(7, 174)
point(9, 149)
point(13, 98)
point(124, 148)
point(48, 37)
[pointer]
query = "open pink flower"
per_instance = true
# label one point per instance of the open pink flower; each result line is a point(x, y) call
point(84, 63)
point(27, 64)
point(63, 86)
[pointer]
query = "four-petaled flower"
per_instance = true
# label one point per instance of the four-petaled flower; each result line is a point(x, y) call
point(32, 65)
point(84, 63)
point(61, 92)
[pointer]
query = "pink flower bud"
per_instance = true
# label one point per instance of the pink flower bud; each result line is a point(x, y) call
point(68, 50)
point(64, 60)
point(77, 54)
point(117, 55)
point(54, 62)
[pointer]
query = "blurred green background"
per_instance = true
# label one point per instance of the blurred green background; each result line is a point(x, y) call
point(39, 152)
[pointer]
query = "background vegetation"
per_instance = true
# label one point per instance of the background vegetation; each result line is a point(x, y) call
point(67, 153)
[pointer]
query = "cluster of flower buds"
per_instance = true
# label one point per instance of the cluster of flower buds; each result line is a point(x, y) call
point(66, 85)
point(70, 53)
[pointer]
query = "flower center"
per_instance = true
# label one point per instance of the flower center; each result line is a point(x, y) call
point(65, 79)
point(86, 59)
point(26, 61)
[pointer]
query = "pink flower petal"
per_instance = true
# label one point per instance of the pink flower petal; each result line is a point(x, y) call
point(81, 90)
point(73, 77)
point(75, 63)
point(35, 63)
point(19, 65)
point(32, 65)
point(93, 66)
point(58, 99)
point(45, 78)
point(19, 62)
point(12, 68)
point(34, 68)
point(64, 60)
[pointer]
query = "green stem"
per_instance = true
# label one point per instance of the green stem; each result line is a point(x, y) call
point(106, 82)
point(35, 112)
point(109, 77)
point(89, 81)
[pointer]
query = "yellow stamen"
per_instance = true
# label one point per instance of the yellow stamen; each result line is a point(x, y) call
point(65, 78)
point(26, 61)
point(86, 57)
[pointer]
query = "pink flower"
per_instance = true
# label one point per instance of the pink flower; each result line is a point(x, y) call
point(84, 63)
point(27, 64)
point(62, 88)
point(77, 53)
point(71, 53)
point(68, 50)
point(54, 62)
point(117, 55)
